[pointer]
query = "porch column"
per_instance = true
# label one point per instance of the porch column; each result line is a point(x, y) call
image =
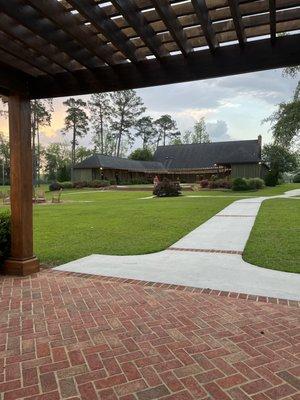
point(22, 260)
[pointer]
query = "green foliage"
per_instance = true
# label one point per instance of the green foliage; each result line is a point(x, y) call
point(255, 183)
point(166, 188)
point(239, 184)
point(4, 235)
point(76, 123)
point(145, 129)
point(66, 185)
point(271, 178)
point(41, 115)
point(100, 111)
point(55, 186)
point(199, 133)
point(166, 128)
point(57, 162)
point(279, 158)
point(97, 183)
point(296, 178)
point(126, 108)
point(4, 158)
point(141, 154)
point(64, 173)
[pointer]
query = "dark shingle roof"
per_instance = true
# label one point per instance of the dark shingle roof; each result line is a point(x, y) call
point(111, 162)
point(183, 156)
point(205, 155)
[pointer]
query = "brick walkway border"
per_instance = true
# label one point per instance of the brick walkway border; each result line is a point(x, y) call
point(235, 216)
point(206, 250)
point(219, 293)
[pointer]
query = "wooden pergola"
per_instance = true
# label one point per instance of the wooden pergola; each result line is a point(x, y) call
point(51, 48)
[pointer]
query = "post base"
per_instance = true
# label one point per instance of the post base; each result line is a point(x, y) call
point(25, 267)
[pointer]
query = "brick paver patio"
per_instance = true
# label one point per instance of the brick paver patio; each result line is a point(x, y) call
point(71, 337)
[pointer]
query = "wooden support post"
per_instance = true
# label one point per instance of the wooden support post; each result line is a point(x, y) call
point(22, 260)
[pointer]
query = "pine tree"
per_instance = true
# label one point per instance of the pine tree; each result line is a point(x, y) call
point(76, 122)
point(100, 111)
point(41, 115)
point(146, 131)
point(166, 128)
point(126, 108)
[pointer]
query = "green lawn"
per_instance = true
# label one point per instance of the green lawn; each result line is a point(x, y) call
point(267, 191)
point(275, 239)
point(116, 223)
point(120, 222)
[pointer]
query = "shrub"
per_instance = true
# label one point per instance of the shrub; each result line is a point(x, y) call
point(225, 184)
point(204, 183)
point(80, 184)
point(4, 235)
point(213, 184)
point(220, 184)
point(271, 179)
point(296, 178)
point(112, 181)
point(66, 185)
point(54, 186)
point(240, 184)
point(99, 183)
point(255, 183)
point(166, 188)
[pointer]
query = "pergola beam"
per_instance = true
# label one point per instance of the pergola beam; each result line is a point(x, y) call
point(33, 21)
point(141, 26)
point(34, 42)
point(238, 22)
point(272, 4)
point(206, 23)
point(12, 80)
point(228, 60)
point(55, 12)
point(97, 17)
point(30, 57)
point(168, 16)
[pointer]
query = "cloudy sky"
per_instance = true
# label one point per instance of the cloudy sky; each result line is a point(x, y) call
point(233, 106)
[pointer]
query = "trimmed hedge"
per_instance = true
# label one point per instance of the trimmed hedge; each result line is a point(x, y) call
point(66, 185)
point(239, 184)
point(255, 183)
point(4, 235)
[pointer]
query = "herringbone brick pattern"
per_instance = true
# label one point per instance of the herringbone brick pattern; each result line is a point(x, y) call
point(68, 337)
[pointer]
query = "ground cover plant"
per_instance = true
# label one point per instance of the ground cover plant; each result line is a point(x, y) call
point(275, 238)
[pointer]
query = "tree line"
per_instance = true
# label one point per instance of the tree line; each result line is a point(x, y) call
point(283, 154)
point(113, 121)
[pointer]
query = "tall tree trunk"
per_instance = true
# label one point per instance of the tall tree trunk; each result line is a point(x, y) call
point(120, 135)
point(34, 149)
point(101, 134)
point(38, 155)
point(73, 152)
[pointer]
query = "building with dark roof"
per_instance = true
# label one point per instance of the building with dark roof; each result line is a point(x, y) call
point(188, 162)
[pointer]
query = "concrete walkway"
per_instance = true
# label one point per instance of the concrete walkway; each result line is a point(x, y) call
point(208, 257)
